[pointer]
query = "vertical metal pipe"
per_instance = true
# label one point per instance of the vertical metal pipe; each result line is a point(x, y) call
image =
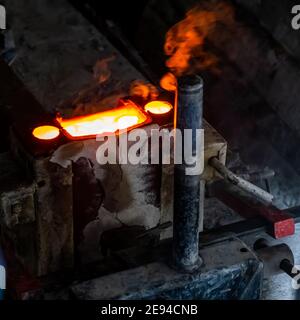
point(187, 188)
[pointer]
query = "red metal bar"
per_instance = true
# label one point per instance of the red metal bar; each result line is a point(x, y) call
point(280, 223)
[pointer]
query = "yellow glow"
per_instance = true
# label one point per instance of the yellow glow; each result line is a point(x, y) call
point(46, 132)
point(127, 121)
point(124, 117)
point(158, 107)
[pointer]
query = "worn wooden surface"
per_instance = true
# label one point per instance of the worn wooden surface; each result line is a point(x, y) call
point(57, 49)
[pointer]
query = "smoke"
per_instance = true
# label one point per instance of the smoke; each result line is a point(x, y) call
point(143, 89)
point(186, 42)
point(101, 93)
point(102, 70)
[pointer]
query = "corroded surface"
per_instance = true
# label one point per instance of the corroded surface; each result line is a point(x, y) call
point(226, 273)
point(57, 53)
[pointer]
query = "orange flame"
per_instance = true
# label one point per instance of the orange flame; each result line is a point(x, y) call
point(128, 116)
point(186, 41)
point(143, 89)
point(168, 82)
point(46, 132)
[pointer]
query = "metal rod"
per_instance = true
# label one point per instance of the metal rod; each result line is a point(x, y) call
point(257, 176)
point(273, 257)
point(281, 224)
point(250, 227)
point(241, 183)
point(187, 188)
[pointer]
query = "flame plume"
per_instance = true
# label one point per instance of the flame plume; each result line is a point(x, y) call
point(185, 43)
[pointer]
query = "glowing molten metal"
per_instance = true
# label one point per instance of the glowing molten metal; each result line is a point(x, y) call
point(128, 116)
point(158, 107)
point(46, 132)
